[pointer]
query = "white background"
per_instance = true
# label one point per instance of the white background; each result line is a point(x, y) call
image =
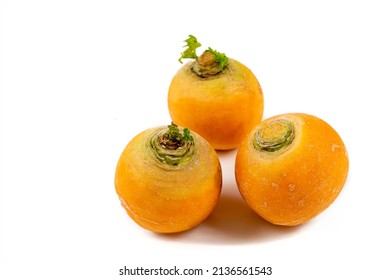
point(80, 78)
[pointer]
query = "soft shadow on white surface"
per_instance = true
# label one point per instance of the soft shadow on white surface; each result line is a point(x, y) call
point(232, 222)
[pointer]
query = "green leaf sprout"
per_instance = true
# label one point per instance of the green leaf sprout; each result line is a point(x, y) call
point(190, 52)
point(192, 45)
point(173, 132)
point(174, 136)
point(221, 58)
point(187, 135)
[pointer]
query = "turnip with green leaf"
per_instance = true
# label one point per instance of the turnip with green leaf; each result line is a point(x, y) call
point(215, 96)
